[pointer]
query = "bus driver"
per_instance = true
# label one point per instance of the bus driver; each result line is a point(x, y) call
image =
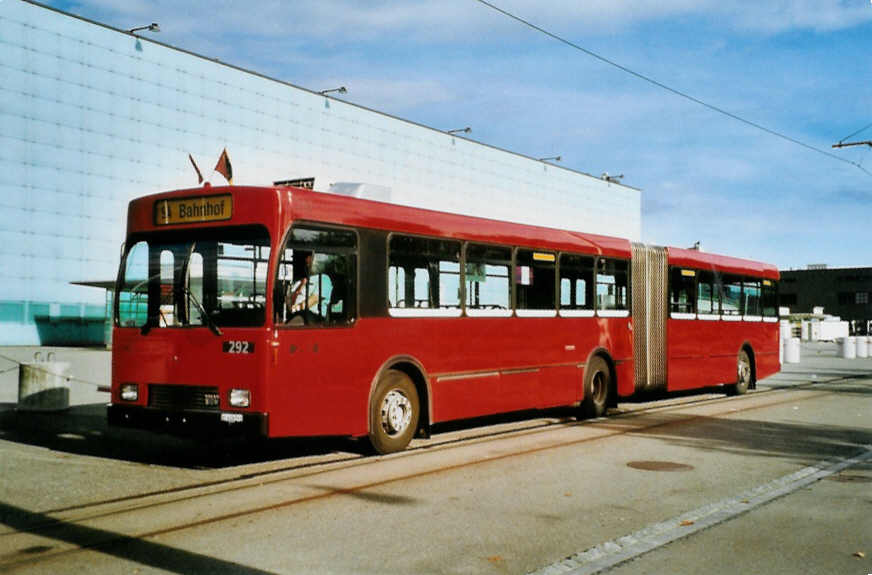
point(303, 294)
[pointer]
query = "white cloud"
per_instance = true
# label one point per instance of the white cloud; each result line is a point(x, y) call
point(704, 177)
point(776, 16)
point(451, 21)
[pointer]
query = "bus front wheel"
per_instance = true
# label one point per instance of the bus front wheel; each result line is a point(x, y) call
point(597, 384)
point(394, 412)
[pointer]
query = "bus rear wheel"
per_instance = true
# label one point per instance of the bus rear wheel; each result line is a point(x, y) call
point(597, 385)
point(394, 413)
point(743, 375)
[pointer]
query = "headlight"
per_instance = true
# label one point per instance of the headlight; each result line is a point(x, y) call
point(129, 391)
point(240, 398)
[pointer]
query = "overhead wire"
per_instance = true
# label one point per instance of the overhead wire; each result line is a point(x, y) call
point(42, 369)
point(674, 91)
point(851, 135)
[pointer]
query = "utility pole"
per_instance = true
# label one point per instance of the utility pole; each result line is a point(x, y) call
point(846, 144)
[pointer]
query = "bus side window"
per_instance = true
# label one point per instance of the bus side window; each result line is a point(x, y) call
point(770, 298)
point(751, 302)
point(423, 276)
point(731, 298)
point(611, 285)
point(316, 283)
point(535, 289)
point(576, 284)
point(682, 291)
point(707, 296)
point(487, 280)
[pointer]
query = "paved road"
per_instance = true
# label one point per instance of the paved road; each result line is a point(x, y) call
point(784, 476)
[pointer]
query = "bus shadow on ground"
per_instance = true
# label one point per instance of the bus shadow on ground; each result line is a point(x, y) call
point(808, 372)
point(83, 430)
point(148, 553)
point(567, 414)
point(802, 442)
point(844, 380)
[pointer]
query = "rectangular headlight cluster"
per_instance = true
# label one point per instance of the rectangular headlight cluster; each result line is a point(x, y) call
point(240, 398)
point(129, 391)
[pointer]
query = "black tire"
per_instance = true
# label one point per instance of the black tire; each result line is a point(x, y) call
point(744, 375)
point(597, 386)
point(393, 412)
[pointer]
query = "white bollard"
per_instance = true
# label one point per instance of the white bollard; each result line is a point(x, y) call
point(43, 385)
point(786, 329)
point(862, 347)
point(791, 350)
point(782, 343)
point(847, 347)
point(783, 337)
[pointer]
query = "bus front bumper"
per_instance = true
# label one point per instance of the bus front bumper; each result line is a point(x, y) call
point(189, 422)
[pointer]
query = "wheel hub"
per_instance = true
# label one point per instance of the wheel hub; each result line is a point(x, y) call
point(599, 388)
point(396, 413)
point(744, 372)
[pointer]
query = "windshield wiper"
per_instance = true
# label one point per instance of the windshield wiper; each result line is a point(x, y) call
point(150, 321)
point(204, 315)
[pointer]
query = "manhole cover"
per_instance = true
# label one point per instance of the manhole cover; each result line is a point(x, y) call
point(659, 466)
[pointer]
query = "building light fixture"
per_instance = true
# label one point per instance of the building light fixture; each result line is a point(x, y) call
point(340, 90)
point(153, 27)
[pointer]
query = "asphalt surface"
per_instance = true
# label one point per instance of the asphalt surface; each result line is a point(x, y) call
point(515, 494)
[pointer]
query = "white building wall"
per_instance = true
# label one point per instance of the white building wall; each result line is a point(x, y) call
point(91, 117)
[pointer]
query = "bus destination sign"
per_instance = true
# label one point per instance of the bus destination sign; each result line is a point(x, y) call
point(193, 210)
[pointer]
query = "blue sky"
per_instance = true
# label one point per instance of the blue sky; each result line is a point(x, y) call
point(799, 67)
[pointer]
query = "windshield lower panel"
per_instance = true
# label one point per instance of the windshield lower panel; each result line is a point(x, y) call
point(206, 277)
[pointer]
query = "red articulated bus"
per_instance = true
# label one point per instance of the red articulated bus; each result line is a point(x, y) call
point(280, 311)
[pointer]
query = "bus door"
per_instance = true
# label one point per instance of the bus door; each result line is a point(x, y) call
point(317, 366)
point(548, 351)
point(690, 333)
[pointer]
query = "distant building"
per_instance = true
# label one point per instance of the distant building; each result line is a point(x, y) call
point(843, 292)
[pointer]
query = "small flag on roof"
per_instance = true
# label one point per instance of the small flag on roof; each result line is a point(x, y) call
point(224, 168)
point(196, 169)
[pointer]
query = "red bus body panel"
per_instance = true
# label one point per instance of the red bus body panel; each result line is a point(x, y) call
point(724, 264)
point(474, 367)
point(191, 356)
point(318, 381)
point(703, 352)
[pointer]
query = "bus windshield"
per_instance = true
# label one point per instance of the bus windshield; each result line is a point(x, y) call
point(205, 277)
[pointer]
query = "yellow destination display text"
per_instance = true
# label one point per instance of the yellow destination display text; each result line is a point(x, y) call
point(193, 210)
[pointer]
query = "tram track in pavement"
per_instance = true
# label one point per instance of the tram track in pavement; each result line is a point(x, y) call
point(467, 434)
point(102, 524)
